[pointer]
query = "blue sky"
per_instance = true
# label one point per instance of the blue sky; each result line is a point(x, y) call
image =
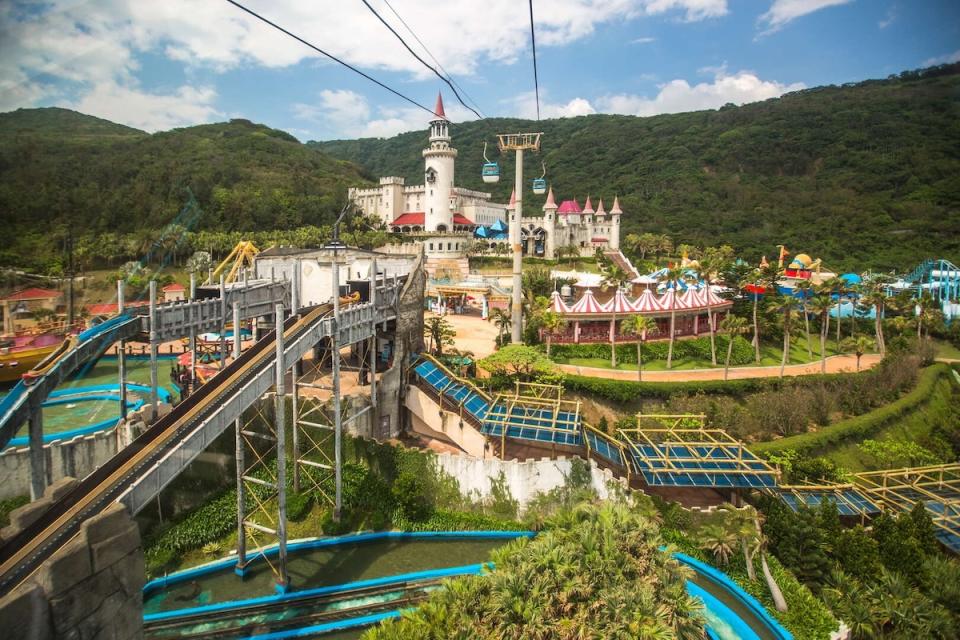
point(157, 65)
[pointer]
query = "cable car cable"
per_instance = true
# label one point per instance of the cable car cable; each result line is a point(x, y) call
point(331, 56)
point(533, 44)
point(432, 57)
point(417, 56)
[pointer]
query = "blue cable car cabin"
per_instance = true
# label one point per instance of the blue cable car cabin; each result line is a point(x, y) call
point(491, 172)
point(539, 186)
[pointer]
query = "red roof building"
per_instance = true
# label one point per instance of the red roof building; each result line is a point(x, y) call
point(569, 206)
point(414, 218)
point(174, 287)
point(33, 293)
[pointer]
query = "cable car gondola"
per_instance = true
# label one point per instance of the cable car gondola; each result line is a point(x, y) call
point(540, 184)
point(491, 170)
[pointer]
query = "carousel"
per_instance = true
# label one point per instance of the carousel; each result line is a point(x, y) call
point(588, 320)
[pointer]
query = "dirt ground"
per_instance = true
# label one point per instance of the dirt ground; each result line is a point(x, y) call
point(835, 364)
point(473, 333)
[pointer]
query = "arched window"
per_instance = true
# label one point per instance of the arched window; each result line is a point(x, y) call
point(441, 227)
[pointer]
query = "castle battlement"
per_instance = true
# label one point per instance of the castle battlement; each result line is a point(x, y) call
point(392, 180)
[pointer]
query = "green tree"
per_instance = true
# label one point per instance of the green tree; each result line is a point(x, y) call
point(551, 322)
point(821, 306)
point(642, 327)
point(673, 277)
point(858, 346)
point(614, 276)
point(732, 326)
point(440, 332)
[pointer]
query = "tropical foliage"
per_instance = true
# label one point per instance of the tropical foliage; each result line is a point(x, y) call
point(594, 572)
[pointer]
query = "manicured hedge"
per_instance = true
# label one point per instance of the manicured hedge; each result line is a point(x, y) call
point(627, 390)
point(698, 348)
point(859, 427)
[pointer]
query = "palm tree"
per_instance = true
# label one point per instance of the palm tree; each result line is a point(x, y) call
point(859, 345)
point(501, 318)
point(805, 289)
point(821, 306)
point(718, 540)
point(673, 276)
point(642, 327)
point(551, 322)
point(785, 306)
point(614, 277)
point(877, 298)
point(440, 332)
point(741, 523)
point(732, 326)
point(926, 313)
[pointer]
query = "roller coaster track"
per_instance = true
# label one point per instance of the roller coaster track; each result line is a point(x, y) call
point(137, 473)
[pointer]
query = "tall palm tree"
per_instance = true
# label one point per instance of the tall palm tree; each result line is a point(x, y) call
point(551, 322)
point(877, 298)
point(732, 326)
point(785, 306)
point(673, 277)
point(821, 306)
point(926, 313)
point(858, 345)
point(643, 327)
point(805, 289)
point(614, 276)
point(718, 540)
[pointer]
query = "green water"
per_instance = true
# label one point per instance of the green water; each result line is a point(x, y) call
point(325, 566)
point(64, 417)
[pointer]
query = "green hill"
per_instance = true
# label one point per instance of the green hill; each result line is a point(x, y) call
point(865, 175)
point(60, 169)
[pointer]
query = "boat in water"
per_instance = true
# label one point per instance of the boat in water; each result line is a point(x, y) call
point(21, 353)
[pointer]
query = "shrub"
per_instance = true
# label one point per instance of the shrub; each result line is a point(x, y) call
point(698, 348)
point(859, 427)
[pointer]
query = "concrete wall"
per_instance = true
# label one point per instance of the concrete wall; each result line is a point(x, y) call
point(524, 479)
point(91, 589)
point(427, 420)
point(76, 457)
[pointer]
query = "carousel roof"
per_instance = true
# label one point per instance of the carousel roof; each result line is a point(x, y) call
point(618, 304)
point(648, 302)
point(557, 304)
point(587, 304)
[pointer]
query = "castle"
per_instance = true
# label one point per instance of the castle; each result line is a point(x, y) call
point(443, 217)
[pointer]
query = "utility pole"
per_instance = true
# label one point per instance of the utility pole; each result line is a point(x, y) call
point(518, 142)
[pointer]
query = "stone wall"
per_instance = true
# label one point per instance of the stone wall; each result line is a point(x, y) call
point(91, 589)
point(75, 457)
point(524, 479)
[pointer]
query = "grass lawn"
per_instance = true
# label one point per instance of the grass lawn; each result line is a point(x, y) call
point(946, 350)
point(770, 355)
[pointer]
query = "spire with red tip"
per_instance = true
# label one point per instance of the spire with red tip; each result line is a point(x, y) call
point(616, 205)
point(600, 211)
point(550, 204)
point(588, 206)
point(438, 110)
point(513, 199)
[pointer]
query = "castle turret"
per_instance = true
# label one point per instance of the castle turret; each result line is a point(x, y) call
point(615, 214)
point(439, 160)
point(549, 226)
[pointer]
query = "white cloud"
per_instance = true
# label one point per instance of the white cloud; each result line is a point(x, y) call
point(79, 51)
point(525, 106)
point(678, 95)
point(149, 111)
point(947, 58)
point(889, 19)
point(644, 40)
point(782, 12)
point(341, 113)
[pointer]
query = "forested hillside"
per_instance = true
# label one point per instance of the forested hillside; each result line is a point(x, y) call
point(64, 170)
point(864, 175)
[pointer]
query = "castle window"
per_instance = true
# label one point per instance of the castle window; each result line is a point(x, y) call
point(431, 246)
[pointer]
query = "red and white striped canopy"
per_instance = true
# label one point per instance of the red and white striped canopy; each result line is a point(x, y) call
point(712, 298)
point(647, 302)
point(691, 299)
point(557, 304)
point(618, 304)
point(587, 304)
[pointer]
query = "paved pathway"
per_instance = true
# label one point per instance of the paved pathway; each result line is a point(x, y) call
point(835, 364)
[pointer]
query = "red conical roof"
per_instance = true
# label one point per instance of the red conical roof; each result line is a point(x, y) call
point(616, 205)
point(550, 203)
point(438, 110)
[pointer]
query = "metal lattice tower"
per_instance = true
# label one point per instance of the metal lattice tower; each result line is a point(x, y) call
point(261, 478)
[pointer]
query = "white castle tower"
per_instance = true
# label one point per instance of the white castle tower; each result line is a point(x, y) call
point(438, 163)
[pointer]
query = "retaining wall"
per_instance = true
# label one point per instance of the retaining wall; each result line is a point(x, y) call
point(524, 479)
